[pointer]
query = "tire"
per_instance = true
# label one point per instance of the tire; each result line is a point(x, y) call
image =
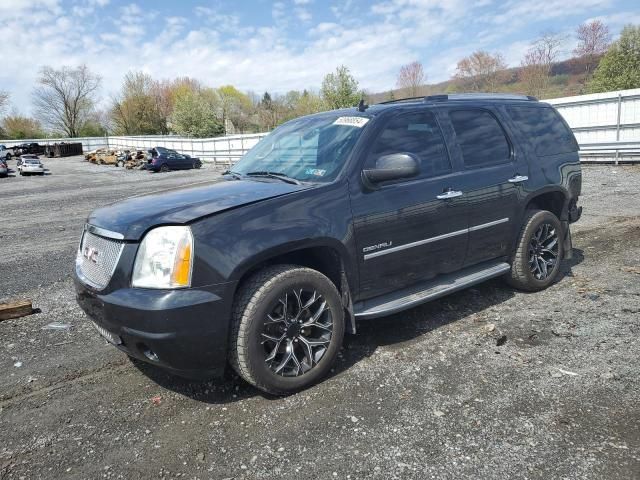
point(8, 157)
point(261, 296)
point(164, 168)
point(197, 165)
point(120, 164)
point(536, 261)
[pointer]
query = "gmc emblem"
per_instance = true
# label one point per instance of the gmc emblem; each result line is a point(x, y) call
point(90, 254)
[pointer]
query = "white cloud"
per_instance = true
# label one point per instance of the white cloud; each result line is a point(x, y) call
point(286, 52)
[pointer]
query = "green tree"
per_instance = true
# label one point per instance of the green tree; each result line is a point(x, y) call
point(340, 89)
point(235, 108)
point(194, 114)
point(309, 103)
point(136, 110)
point(619, 69)
point(16, 126)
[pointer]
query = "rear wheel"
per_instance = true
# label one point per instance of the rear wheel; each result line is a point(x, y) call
point(288, 326)
point(164, 168)
point(539, 252)
point(8, 157)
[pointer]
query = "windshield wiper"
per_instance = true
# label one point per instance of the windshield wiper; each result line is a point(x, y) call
point(280, 176)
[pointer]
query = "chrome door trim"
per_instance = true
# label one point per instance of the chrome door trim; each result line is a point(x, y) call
point(415, 244)
point(406, 246)
point(487, 225)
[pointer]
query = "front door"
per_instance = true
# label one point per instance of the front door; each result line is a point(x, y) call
point(413, 229)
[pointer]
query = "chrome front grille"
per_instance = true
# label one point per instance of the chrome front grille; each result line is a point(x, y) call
point(97, 259)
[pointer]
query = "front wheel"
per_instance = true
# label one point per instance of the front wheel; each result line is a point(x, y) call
point(288, 326)
point(536, 261)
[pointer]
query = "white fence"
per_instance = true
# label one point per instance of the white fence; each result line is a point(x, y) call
point(219, 150)
point(606, 125)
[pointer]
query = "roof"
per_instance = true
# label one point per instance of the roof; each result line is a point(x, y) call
point(363, 110)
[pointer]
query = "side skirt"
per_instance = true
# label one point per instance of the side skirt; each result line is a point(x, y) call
point(427, 291)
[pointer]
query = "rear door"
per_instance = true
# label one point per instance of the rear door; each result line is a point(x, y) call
point(494, 172)
point(408, 230)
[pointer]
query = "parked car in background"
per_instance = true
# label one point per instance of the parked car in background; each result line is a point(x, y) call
point(162, 159)
point(4, 168)
point(6, 153)
point(32, 148)
point(30, 164)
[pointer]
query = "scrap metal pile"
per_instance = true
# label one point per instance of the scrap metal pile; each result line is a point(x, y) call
point(127, 158)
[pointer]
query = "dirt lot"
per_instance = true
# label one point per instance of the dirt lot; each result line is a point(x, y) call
point(422, 394)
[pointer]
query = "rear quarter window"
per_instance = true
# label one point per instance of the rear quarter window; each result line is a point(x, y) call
point(545, 130)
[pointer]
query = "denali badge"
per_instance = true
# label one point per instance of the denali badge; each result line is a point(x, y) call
point(90, 254)
point(373, 248)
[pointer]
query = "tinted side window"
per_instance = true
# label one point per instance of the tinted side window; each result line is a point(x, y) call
point(418, 134)
point(480, 137)
point(544, 128)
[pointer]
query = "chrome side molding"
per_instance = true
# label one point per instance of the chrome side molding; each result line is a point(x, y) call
point(417, 243)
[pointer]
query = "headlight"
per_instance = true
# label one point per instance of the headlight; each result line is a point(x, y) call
point(164, 259)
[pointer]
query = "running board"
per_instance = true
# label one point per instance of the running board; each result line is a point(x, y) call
point(427, 291)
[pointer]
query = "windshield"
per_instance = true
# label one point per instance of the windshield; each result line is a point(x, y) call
point(310, 149)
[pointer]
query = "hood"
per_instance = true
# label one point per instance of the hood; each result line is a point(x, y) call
point(134, 216)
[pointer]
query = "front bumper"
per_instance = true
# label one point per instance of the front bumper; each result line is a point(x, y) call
point(183, 331)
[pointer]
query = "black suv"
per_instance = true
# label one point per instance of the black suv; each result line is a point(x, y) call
point(336, 217)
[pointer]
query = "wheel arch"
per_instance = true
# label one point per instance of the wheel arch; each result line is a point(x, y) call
point(327, 256)
point(554, 199)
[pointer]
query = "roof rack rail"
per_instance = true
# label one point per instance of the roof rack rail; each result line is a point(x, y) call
point(400, 100)
point(489, 96)
point(464, 96)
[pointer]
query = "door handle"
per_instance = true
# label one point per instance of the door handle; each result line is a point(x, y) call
point(449, 194)
point(518, 179)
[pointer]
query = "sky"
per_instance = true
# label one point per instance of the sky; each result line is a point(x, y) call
point(276, 46)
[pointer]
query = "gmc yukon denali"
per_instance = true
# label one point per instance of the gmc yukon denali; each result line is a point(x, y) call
point(332, 218)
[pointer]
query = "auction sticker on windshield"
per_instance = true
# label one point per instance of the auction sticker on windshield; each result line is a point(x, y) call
point(318, 172)
point(352, 121)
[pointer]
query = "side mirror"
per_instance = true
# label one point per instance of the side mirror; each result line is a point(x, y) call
point(393, 167)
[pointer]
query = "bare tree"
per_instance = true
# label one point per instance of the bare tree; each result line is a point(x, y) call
point(593, 40)
point(410, 78)
point(538, 63)
point(4, 100)
point(65, 98)
point(482, 71)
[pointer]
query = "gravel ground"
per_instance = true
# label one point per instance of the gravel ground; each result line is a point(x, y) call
point(427, 393)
